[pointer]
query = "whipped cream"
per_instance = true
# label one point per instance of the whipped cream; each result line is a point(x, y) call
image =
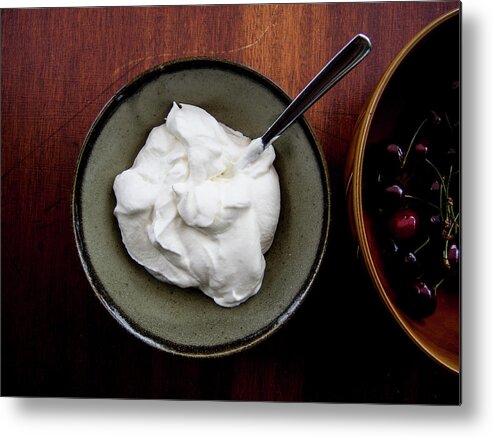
point(200, 206)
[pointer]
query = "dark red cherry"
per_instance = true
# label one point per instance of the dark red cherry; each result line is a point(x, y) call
point(394, 149)
point(435, 225)
point(421, 150)
point(435, 118)
point(434, 193)
point(435, 220)
point(453, 257)
point(392, 196)
point(394, 191)
point(411, 266)
point(403, 224)
point(419, 300)
point(395, 156)
point(452, 157)
point(435, 186)
point(410, 258)
point(390, 249)
point(453, 254)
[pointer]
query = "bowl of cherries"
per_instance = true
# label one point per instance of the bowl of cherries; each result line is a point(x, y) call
point(403, 178)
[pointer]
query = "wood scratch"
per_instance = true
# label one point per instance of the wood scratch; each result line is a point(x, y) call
point(191, 53)
point(121, 71)
point(272, 23)
point(41, 144)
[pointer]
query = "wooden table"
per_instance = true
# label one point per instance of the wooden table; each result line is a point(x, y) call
point(59, 67)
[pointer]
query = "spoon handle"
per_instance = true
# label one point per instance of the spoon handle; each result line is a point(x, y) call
point(341, 64)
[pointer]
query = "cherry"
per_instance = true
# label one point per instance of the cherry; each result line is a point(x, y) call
point(394, 191)
point(452, 156)
point(435, 191)
point(435, 220)
point(435, 118)
point(421, 150)
point(435, 186)
point(435, 226)
point(392, 196)
point(395, 156)
point(395, 150)
point(411, 267)
point(453, 254)
point(410, 258)
point(419, 300)
point(403, 224)
point(390, 249)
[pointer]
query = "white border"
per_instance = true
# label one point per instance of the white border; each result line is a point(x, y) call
point(20, 417)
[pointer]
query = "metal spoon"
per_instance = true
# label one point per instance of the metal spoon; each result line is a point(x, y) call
point(340, 65)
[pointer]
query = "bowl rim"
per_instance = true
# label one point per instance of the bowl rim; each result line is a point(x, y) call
point(102, 294)
point(356, 176)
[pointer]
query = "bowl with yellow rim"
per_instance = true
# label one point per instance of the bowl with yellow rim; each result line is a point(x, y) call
point(411, 85)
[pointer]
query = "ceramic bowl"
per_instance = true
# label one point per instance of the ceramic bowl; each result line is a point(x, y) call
point(430, 58)
point(185, 321)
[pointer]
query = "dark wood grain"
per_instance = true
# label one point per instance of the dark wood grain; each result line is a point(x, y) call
point(59, 67)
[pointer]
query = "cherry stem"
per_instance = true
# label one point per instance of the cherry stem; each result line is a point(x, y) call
point(448, 180)
point(447, 239)
point(436, 170)
point(445, 254)
point(412, 141)
point(423, 245)
point(453, 224)
point(443, 187)
point(441, 201)
point(438, 284)
point(448, 122)
point(408, 196)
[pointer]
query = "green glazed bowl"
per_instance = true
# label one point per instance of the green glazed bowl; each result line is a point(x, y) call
point(185, 321)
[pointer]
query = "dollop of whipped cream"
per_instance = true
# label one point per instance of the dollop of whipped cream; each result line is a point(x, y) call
point(200, 206)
